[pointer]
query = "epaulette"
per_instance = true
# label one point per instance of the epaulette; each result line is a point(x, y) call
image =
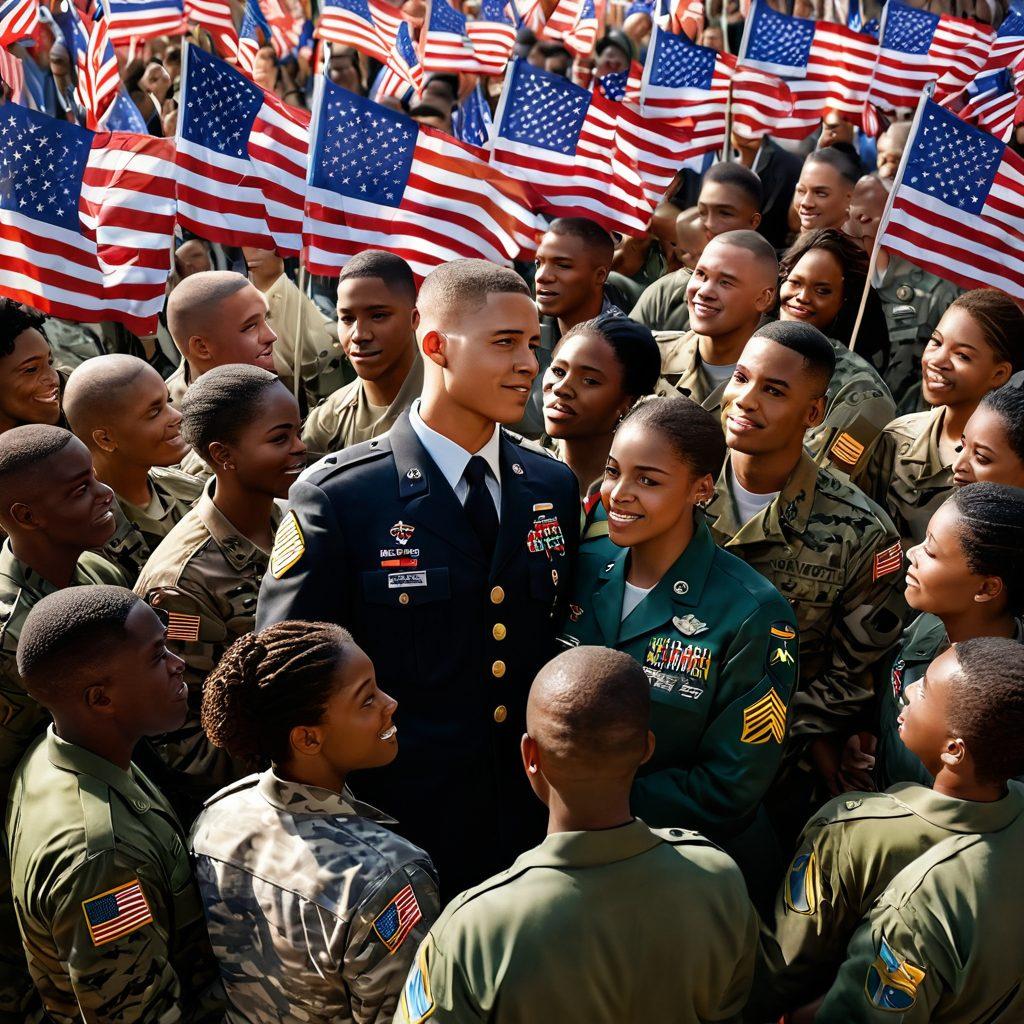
point(683, 837)
point(356, 455)
point(94, 795)
point(235, 787)
point(860, 808)
point(531, 446)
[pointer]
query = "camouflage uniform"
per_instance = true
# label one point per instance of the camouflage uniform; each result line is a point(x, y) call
point(206, 576)
point(81, 831)
point(905, 473)
point(943, 943)
point(914, 302)
point(178, 382)
point(662, 307)
point(626, 925)
point(314, 908)
point(849, 852)
point(22, 718)
point(835, 556)
point(682, 369)
point(71, 343)
point(346, 417)
point(138, 532)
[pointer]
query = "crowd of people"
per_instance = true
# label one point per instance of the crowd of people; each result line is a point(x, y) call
point(630, 635)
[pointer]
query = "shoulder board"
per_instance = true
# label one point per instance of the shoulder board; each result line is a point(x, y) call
point(94, 795)
point(356, 455)
point(683, 837)
point(908, 881)
point(235, 787)
point(863, 806)
point(525, 443)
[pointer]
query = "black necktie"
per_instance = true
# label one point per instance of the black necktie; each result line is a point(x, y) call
point(480, 506)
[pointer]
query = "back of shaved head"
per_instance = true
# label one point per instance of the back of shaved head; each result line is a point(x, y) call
point(589, 711)
point(96, 388)
point(463, 286)
point(192, 306)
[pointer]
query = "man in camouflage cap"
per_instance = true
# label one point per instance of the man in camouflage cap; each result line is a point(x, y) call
point(107, 907)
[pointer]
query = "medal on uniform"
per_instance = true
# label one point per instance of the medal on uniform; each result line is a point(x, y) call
point(546, 536)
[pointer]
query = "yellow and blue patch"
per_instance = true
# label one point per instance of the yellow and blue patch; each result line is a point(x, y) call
point(801, 890)
point(289, 546)
point(892, 980)
point(417, 1001)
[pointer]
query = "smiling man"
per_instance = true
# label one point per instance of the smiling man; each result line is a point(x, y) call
point(731, 289)
point(825, 189)
point(446, 548)
point(377, 321)
point(828, 549)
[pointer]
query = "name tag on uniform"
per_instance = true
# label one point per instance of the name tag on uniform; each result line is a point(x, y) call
point(401, 580)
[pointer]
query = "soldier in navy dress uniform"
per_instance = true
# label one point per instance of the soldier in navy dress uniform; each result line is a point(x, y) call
point(446, 547)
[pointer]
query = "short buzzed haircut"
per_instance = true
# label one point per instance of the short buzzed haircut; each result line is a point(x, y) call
point(735, 175)
point(67, 634)
point(98, 385)
point(464, 286)
point(592, 235)
point(595, 707)
point(986, 707)
point(192, 306)
point(806, 341)
point(753, 242)
point(389, 268)
point(897, 133)
point(845, 166)
point(221, 403)
point(25, 448)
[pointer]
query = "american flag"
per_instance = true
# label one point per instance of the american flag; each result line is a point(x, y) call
point(215, 17)
point(19, 20)
point(12, 74)
point(473, 124)
point(995, 102)
point(685, 17)
point(573, 23)
point(86, 219)
point(378, 180)
point(493, 35)
point(563, 139)
point(444, 43)
point(99, 81)
point(241, 157)
point(1008, 47)
point(918, 47)
point(118, 912)
point(253, 33)
point(368, 25)
point(760, 103)
point(403, 70)
point(285, 27)
point(826, 66)
point(144, 19)
point(398, 918)
point(124, 116)
point(957, 208)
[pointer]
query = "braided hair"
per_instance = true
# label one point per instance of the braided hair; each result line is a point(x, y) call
point(268, 683)
point(992, 535)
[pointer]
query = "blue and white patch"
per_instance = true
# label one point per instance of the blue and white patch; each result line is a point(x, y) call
point(417, 1001)
point(892, 980)
point(802, 884)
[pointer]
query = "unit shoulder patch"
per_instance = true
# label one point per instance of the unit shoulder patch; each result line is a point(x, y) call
point(417, 1000)
point(801, 892)
point(289, 546)
point(846, 451)
point(892, 980)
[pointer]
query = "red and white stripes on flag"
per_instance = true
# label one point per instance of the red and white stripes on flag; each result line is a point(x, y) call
point(368, 25)
point(12, 74)
point(957, 206)
point(377, 180)
point(493, 36)
point(573, 23)
point(144, 19)
point(445, 44)
point(403, 70)
point(19, 20)
point(89, 240)
point(99, 80)
point(760, 102)
point(241, 157)
point(215, 17)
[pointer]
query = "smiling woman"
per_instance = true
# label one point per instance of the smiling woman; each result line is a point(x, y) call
point(29, 385)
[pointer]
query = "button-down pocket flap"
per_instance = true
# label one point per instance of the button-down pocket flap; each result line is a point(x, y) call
point(406, 588)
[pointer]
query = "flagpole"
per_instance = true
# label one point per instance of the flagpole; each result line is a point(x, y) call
point(727, 147)
point(926, 95)
point(297, 347)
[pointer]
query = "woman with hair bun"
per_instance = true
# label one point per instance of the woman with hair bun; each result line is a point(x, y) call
point(314, 907)
point(966, 580)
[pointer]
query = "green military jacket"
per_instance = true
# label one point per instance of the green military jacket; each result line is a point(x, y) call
point(914, 302)
point(906, 475)
point(139, 531)
point(206, 576)
point(107, 907)
point(850, 851)
point(719, 647)
point(622, 925)
point(943, 943)
point(682, 368)
point(835, 556)
point(662, 307)
point(346, 417)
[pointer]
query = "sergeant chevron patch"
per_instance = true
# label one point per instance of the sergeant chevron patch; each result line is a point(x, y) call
point(764, 720)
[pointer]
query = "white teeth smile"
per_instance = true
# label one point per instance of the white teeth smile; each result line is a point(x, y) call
point(388, 733)
point(623, 517)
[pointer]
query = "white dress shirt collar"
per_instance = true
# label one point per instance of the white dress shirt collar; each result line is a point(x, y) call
point(452, 458)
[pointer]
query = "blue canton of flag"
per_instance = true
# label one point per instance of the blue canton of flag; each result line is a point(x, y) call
point(444, 18)
point(543, 110)
point(253, 19)
point(363, 150)
point(494, 10)
point(220, 108)
point(909, 29)
point(41, 167)
point(474, 122)
point(679, 64)
point(953, 162)
point(777, 42)
point(124, 115)
point(614, 85)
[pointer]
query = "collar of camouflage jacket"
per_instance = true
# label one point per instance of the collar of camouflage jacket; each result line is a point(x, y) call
point(590, 849)
point(924, 449)
point(960, 815)
point(238, 549)
point(297, 798)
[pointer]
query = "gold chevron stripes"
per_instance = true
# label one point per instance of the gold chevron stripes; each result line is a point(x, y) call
point(764, 720)
point(846, 449)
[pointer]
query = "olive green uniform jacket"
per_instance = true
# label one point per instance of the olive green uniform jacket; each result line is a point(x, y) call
point(662, 307)
point(719, 647)
point(107, 906)
point(943, 943)
point(627, 924)
point(849, 853)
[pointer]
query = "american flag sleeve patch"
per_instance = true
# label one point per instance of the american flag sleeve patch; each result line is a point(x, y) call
point(887, 561)
point(181, 626)
point(116, 913)
point(397, 919)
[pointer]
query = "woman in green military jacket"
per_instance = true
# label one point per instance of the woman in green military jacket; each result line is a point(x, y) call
point(967, 581)
point(717, 641)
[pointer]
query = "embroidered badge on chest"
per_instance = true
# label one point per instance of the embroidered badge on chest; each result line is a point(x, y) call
point(546, 535)
point(402, 532)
